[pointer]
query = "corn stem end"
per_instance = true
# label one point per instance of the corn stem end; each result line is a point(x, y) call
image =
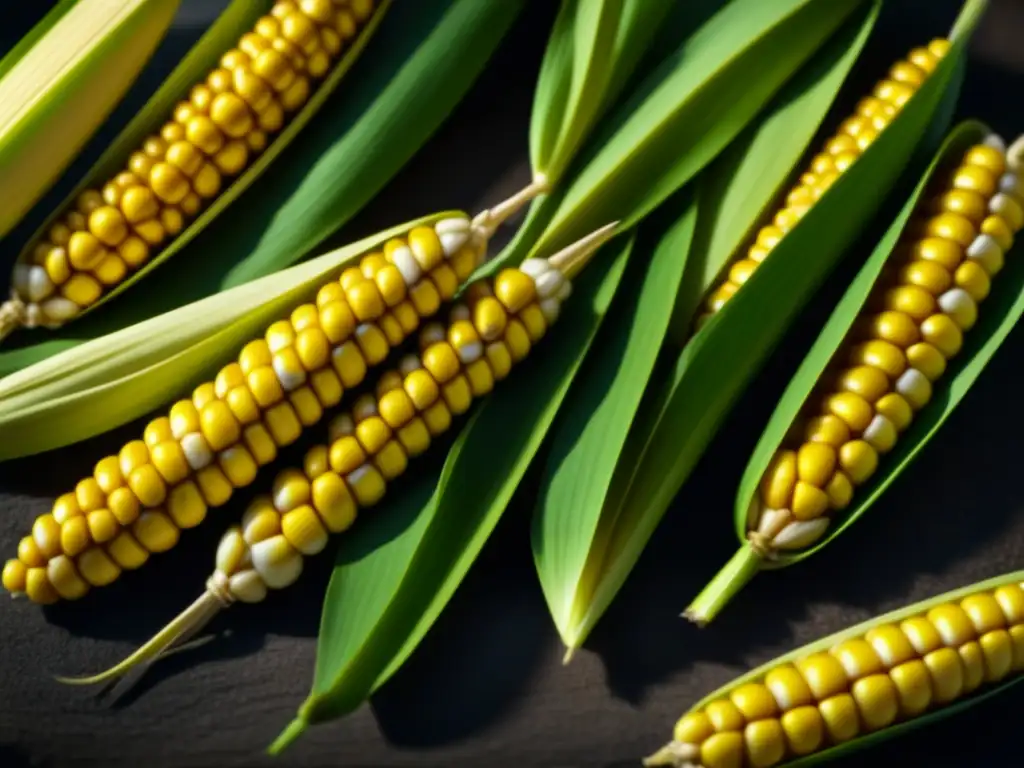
point(743, 566)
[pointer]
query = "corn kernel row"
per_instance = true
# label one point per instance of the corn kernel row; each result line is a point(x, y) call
point(855, 135)
point(371, 445)
point(925, 300)
point(207, 446)
point(891, 673)
point(212, 136)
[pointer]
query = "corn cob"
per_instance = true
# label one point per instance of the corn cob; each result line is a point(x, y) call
point(211, 136)
point(841, 151)
point(913, 323)
point(494, 329)
point(892, 670)
point(207, 446)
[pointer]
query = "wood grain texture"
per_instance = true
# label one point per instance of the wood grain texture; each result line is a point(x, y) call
point(487, 687)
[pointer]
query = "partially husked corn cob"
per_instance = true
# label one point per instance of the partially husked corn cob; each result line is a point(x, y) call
point(841, 151)
point(913, 324)
point(194, 458)
point(213, 135)
point(371, 445)
point(493, 330)
point(889, 671)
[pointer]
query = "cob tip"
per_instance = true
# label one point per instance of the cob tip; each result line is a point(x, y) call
point(486, 223)
point(12, 316)
point(573, 258)
point(674, 754)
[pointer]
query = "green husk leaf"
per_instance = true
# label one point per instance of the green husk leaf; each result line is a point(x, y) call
point(421, 62)
point(116, 378)
point(686, 410)
point(593, 424)
point(891, 617)
point(383, 598)
point(684, 114)
point(34, 35)
point(156, 110)
point(737, 190)
point(58, 90)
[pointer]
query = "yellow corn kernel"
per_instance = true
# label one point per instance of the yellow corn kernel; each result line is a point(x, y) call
point(779, 481)
point(127, 552)
point(858, 460)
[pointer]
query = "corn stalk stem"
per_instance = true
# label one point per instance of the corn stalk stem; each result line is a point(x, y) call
point(12, 316)
point(743, 566)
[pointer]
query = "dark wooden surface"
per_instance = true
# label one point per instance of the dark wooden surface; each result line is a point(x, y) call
point(487, 686)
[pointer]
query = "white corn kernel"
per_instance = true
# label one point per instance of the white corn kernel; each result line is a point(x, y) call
point(986, 251)
point(1012, 184)
point(550, 309)
point(406, 263)
point(800, 534)
point(469, 353)
point(772, 521)
point(995, 141)
point(1002, 203)
point(39, 284)
point(276, 561)
point(535, 267)
point(958, 304)
point(547, 285)
point(565, 291)
point(451, 242)
point(449, 226)
point(247, 586)
point(290, 380)
point(880, 434)
point(340, 426)
point(915, 388)
point(230, 551)
point(459, 312)
point(58, 308)
point(197, 450)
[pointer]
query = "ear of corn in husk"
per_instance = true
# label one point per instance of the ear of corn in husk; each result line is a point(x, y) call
point(898, 670)
point(137, 208)
point(487, 334)
point(842, 150)
point(58, 88)
point(207, 446)
point(893, 359)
